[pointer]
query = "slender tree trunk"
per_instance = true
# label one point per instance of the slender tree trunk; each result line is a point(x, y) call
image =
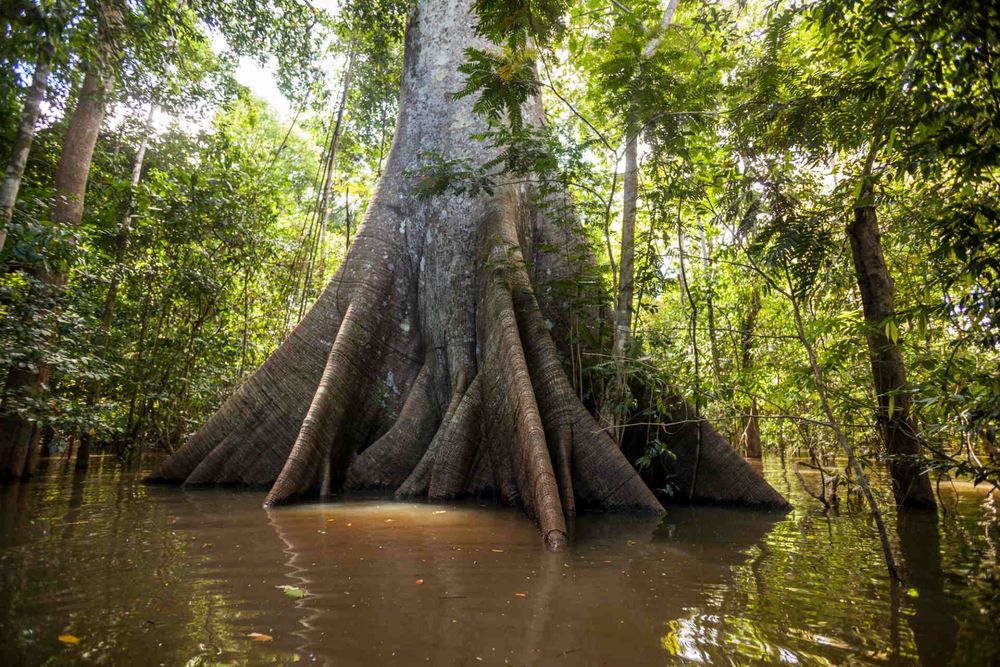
point(323, 205)
point(432, 364)
point(626, 262)
point(347, 220)
point(622, 334)
point(70, 186)
point(111, 297)
point(751, 424)
point(911, 486)
point(23, 139)
point(693, 327)
point(713, 335)
point(626, 281)
point(853, 463)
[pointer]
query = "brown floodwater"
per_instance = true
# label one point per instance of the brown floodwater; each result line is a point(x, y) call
point(161, 575)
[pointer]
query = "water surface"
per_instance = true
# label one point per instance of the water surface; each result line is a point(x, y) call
point(161, 575)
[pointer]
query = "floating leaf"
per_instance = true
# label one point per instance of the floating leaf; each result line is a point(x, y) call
point(72, 640)
point(389, 520)
point(521, 595)
point(260, 637)
point(293, 591)
point(497, 551)
point(419, 581)
point(330, 520)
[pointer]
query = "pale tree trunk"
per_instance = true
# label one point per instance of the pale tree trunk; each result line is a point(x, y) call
point(347, 220)
point(23, 140)
point(18, 434)
point(911, 486)
point(622, 334)
point(431, 365)
point(70, 185)
point(111, 297)
point(621, 338)
point(626, 262)
point(331, 158)
point(751, 423)
point(713, 335)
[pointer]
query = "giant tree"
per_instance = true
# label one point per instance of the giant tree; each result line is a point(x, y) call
point(432, 364)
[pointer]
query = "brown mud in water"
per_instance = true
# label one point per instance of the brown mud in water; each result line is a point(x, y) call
point(161, 575)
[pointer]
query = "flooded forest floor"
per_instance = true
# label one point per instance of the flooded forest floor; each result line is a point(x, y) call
point(104, 569)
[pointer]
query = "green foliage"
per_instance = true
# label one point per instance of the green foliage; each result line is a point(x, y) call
point(516, 22)
point(214, 244)
point(760, 125)
point(504, 79)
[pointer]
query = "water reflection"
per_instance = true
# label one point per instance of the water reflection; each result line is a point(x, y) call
point(933, 619)
point(410, 582)
point(181, 576)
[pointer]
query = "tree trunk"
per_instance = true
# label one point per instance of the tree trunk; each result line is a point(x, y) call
point(621, 336)
point(318, 241)
point(23, 140)
point(626, 281)
point(713, 335)
point(911, 487)
point(751, 425)
point(431, 365)
point(626, 264)
point(70, 186)
point(111, 297)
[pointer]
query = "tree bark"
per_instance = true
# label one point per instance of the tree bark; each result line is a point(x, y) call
point(626, 262)
point(23, 139)
point(432, 362)
point(70, 186)
point(911, 487)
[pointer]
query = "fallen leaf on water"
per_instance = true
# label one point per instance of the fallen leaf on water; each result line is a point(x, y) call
point(419, 581)
point(330, 520)
point(260, 637)
point(439, 512)
point(389, 520)
point(521, 595)
point(69, 639)
point(497, 551)
point(207, 545)
point(293, 591)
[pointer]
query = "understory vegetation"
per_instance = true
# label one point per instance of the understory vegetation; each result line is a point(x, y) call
point(722, 158)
